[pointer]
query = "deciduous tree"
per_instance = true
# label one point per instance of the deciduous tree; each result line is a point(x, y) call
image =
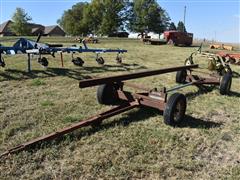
point(20, 20)
point(72, 20)
point(147, 15)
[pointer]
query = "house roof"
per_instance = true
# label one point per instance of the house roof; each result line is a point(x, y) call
point(34, 30)
point(34, 27)
point(4, 25)
point(48, 29)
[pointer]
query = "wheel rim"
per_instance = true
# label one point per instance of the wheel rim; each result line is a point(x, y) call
point(100, 60)
point(188, 63)
point(177, 115)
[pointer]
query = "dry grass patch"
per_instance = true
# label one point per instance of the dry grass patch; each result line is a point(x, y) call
point(133, 145)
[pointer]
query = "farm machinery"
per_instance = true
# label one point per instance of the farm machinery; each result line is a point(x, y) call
point(233, 58)
point(31, 48)
point(172, 38)
point(221, 46)
point(112, 91)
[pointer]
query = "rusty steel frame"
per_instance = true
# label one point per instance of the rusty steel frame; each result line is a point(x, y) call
point(150, 98)
point(120, 78)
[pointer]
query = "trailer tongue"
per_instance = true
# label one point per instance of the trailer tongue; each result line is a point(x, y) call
point(111, 92)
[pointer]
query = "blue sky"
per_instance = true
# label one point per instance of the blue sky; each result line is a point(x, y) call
point(210, 19)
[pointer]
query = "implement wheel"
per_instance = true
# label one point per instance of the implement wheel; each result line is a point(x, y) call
point(119, 59)
point(181, 76)
point(100, 60)
point(43, 61)
point(107, 94)
point(225, 84)
point(78, 61)
point(175, 109)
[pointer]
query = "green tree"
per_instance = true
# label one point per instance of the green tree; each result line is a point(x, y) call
point(108, 16)
point(72, 20)
point(148, 16)
point(181, 27)
point(20, 20)
point(97, 17)
point(172, 27)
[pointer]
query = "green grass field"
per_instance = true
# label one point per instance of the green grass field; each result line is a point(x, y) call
point(133, 145)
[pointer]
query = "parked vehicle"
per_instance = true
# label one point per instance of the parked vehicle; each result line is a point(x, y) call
point(178, 38)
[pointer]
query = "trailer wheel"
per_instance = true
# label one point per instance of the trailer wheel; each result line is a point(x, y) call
point(100, 60)
point(175, 109)
point(225, 84)
point(107, 94)
point(181, 76)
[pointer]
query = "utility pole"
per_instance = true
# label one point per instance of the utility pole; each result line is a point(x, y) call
point(184, 17)
point(215, 36)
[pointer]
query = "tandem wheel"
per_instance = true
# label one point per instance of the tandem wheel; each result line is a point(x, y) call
point(107, 94)
point(181, 76)
point(225, 84)
point(175, 109)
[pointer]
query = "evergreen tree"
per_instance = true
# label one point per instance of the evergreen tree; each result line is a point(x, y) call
point(181, 27)
point(172, 27)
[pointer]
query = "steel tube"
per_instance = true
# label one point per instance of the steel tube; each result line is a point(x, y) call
point(120, 78)
point(180, 86)
point(61, 132)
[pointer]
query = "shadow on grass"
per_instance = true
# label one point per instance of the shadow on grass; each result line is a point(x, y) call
point(13, 74)
point(192, 122)
point(134, 116)
point(201, 90)
point(79, 74)
point(235, 74)
point(235, 94)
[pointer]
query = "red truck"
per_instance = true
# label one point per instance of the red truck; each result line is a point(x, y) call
point(176, 38)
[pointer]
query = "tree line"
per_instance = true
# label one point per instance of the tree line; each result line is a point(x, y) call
point(104, 17)
point(109, 16)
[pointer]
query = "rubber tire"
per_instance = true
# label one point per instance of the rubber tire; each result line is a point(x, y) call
point(119, 60)
point(170, 108)
point(2, 63)
point(225, 84)
point(107, 94)
point(181, 76)
point(43, 61)
point(78, 61)
point(100, 60)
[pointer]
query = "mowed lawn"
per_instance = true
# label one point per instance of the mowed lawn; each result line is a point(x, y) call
point(133, 145)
